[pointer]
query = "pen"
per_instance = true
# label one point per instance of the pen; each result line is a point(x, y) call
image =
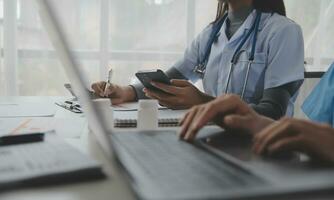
point(108, 81)
point(76, 108)
point(21, 139)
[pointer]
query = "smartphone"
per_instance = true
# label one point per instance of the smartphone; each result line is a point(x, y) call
point(145, 77)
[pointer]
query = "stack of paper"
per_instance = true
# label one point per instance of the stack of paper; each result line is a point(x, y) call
point(26, 110)
point(68, 128)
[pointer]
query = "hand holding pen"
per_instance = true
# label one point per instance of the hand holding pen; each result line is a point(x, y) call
point(118, 94)
point(108, 83)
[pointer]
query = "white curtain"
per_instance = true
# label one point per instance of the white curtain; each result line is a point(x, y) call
point(129, 35)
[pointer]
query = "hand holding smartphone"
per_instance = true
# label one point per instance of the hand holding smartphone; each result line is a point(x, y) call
point(146, 77)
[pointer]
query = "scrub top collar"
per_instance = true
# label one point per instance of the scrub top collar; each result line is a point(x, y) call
point(245, 26)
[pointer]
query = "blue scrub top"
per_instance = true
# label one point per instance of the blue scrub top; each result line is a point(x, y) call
point(318, 106)
point(279, 58)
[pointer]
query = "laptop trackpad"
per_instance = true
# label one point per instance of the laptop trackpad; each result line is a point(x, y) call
point(238, 146)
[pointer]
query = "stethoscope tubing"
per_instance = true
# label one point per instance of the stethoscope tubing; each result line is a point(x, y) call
point(201, 68)
point(237, 53)
point(246, 79)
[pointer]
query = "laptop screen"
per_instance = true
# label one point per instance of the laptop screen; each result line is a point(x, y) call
point(78, 79)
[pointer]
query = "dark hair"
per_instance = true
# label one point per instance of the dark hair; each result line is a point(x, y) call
point(269, 6)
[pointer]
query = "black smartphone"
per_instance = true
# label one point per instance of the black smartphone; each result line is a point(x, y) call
point(145, 77)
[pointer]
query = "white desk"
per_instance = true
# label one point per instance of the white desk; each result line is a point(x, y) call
point(113, 187)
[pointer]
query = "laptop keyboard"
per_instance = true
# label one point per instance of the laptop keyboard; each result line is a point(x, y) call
point(164, 160)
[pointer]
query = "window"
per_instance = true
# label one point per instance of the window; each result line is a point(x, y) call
point(39, 71)
point(315, 18)
point(128, 35)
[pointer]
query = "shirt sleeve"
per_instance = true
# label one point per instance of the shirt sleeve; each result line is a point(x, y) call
point(318, 106)
point(183, 69)
point(275, 101)
point(193, 54)
point(285, 62)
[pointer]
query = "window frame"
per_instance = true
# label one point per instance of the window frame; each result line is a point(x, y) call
point(10, 52)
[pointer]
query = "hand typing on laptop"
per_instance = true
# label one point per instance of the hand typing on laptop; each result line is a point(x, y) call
point(287, 135)
point(270, 137)
point(227, 111)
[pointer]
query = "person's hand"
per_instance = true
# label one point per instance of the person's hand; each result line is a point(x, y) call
point(117, 94)
point(292, 135)
point(181, 94)
point(227, 111)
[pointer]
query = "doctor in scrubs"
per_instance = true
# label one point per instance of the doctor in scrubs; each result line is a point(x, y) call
point(251, 50)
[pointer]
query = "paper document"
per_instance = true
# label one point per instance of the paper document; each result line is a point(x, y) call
point(68, 128)
point(27, 110)
point(131, 107)
point(163, 114)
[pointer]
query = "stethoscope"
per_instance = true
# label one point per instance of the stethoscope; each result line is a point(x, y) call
point(201, 67)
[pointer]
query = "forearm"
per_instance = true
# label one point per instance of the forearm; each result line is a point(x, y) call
point(269, 109)
point(274, 103)
point(172, 73)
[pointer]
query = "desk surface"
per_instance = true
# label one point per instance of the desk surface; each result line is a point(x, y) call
point(113, 187)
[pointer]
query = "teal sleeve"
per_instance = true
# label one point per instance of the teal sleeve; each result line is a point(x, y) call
point(318, 106)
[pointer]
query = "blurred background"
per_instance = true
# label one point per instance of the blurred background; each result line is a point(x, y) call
point(129, 35)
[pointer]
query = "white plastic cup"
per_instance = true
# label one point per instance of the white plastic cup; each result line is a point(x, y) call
point(105, 110)
point(147, 115)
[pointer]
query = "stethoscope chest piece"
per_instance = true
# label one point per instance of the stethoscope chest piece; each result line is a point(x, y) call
point(200, 70)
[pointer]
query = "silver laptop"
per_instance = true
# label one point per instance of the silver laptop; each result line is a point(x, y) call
point(159, 166)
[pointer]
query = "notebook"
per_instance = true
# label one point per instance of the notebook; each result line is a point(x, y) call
point(132, 123)
point(167, 118)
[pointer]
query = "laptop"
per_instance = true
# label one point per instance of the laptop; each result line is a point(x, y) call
point(159, 166)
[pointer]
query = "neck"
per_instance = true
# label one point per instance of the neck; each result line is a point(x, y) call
point(235, 5)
